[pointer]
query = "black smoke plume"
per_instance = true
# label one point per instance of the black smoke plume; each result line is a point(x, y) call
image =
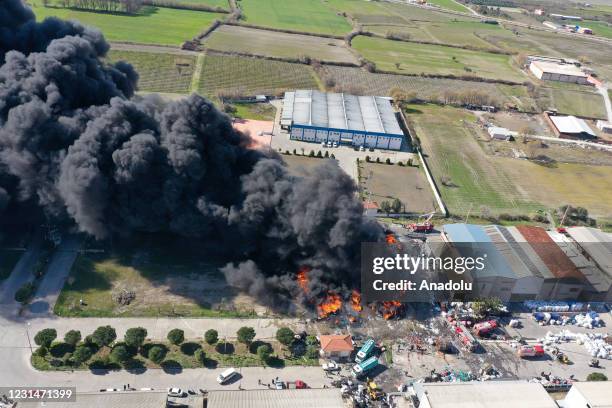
point(75, 142)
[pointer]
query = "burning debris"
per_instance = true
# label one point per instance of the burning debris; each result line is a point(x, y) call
point(391, 309)
point(302, 278)
point(390, 238)
point(330, 305)
point(356, 301)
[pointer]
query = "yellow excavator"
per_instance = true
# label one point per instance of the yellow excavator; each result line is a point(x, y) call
point(374, 392)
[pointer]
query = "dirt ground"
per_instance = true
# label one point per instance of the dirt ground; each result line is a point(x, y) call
point(517, 122)
point(257, 129)
point(382, 182)
point(300, 165)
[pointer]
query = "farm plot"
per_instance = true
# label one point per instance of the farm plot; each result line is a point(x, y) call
point(451, 5)
point(384, 182)
point(414, 58)
point(573, 102)
point(277, 44)
point(166, 73)
point(468, 179)
point(252, 76)
point(152, 25)
point(313, 16)
point(413, 13)
point(222, 4)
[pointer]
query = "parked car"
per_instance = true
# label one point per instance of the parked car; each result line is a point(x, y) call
point(176, 392)
point(331, 366)
point(227, 375)
point(280, 385)
point(335, 144)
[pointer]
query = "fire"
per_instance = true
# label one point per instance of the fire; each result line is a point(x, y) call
point(302, 278)
point(356, 301)
point(391, 239)
point(331, 304)
point(390, 309)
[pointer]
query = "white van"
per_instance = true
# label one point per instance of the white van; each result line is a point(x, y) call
point(226, 375)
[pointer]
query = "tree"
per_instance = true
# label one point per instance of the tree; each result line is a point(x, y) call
point(120, 354)
point(312, 352)
point(200, 355)
point(396, 206)
point(285, 336)
point(176, 336)
point(311, 340)
point(72, 337)
point(597, 377)
point(385, 207)
point(211, 336)
point(246, 335)
point(104, 336)
point(135, 336)
point(156, 354)
point(24, 293)
point(264, 352)
point(81, 354)
point(45, 337)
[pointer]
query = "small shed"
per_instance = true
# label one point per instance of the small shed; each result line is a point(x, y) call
point(500, 133)
point(370, 208)
point(336, 346)
point(604, 126)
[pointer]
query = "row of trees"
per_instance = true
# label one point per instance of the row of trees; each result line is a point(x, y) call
point(109, 6)
point(395, 206)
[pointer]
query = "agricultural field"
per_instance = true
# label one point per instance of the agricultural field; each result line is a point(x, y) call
point(450, 5)
point(159, 72)
point(152, 25)
point(412, 13)
point(472, 178)
point(313, 16)
point(277, 44)
point(413, 58)
point(252, 76)
point(223, 4)
point(383, 182)
point(600, 28)
point(8, 260)
point(573, 102)
point(167, 278)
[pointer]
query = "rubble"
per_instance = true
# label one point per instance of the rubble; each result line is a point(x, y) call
point(595, 343)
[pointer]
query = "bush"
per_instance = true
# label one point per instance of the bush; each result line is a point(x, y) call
point(388, 161)
point(246, 334)
point(326, 154)
point(401, 164)
point(312, 352)
point(41, 351)
point(264, 352)
point(378, 160)
point(25, 293)
point(120, 354)
point(156, 354)
point(319, 154)
point(81, 354)
point(368, 159)
point(72, 337)
point(597, 377)
point(211, 336)
point(285, 336)
point(311, 154)
point(45, 337)
point(176, 336)
point(200, 356)
point(311, 340)
point(104, 336)
point(135, 336)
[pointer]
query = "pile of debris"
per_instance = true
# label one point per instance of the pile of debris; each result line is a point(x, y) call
point(541, 306)
point(595, 343)
point(588, 320)
point(124, 297)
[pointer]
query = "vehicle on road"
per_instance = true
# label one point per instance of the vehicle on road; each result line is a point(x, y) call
point(226, 375)
point(365, 350)
point(176, 392)
point(330, 366)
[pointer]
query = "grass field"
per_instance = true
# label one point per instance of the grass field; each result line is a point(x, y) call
point(171, 73)
point(224, 4)
point(435, 59)
point(300, 165)
point(384, 182)
point(313, 16)
point(600, 28)
point(153, 25)
point(573, 102)
point(8, 260)
point(454, 151)
point(255, 111)
point(450, 5)
point(252, 76)
point(276, 44)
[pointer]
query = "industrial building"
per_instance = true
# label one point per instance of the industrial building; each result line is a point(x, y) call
point(118, 399)
point(483, 394)
point(571, 127)
point(368, 121)
point(553, 71)
point(287, 398)
point(589, 394)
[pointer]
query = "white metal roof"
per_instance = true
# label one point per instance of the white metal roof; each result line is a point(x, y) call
point(561, 69)
point(571, 124)
point(487, 394)
point(597, 393)
point(371, 114)
point(495, 130)
point(287, 398)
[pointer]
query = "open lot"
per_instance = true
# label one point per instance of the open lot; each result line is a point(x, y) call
point(382, 182)
point(414, 58)
point(313, 16)
point(224, 4)
point(252, 76)
point(159, 72)
point(587, 103)
point(277, 44)
point(152, 25)
point(300, 165)
point(167, 279)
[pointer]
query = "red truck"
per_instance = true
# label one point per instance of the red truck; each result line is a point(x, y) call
point(531, 351)
point(483, 328)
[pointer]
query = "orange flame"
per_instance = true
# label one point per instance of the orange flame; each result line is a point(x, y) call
point(302, 278)
point(391, 309)
point(356, 301)
point(331, 304)
point(391, 239)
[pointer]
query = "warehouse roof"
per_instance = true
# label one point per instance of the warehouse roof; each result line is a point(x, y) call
point(288, 398)
point(597, 393)
point(372, 114)
point(488, 394)
point(596, 243)
point(571, 124)
point(496, 265)
point(510, 250)
point(529, 257)
point(561, 69)
point(131, 399)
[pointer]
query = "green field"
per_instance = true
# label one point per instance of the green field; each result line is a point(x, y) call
point(435, 59)
point(152, 25)
point(166, 73)
point(224, 4)
point(252, 76)
point(313, 16)
point(450, 5)
point(600, 28)
point(8, 260)
point(255, 111)
point(573, 102)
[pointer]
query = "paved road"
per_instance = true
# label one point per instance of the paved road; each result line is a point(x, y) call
point(22, 273)
point(603, 90)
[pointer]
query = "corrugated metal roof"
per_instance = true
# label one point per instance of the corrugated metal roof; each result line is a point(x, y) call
point(598, 394)
point(509, 251)
point(372, 114)
point(530, 258)
point(597, 244)
point(560, 69)
point(288, 398)
point(571, 124)
point(127, 399)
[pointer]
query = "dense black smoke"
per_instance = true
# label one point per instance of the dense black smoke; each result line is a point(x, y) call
point(75, 142)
